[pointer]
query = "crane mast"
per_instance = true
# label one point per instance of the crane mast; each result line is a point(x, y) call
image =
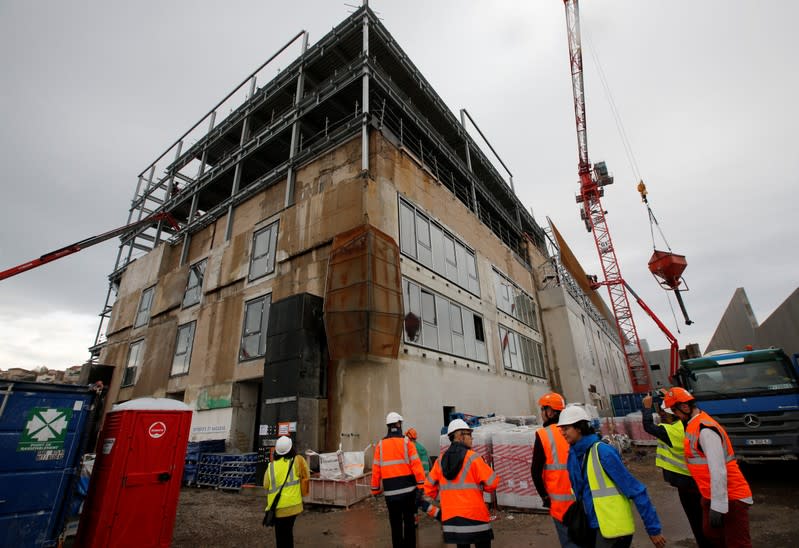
point(592, 180)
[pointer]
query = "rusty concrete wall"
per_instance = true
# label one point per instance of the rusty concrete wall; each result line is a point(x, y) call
point(332, 195)
point(329, 200)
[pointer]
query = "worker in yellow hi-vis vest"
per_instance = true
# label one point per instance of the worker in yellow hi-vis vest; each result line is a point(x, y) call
point(604, 487)
point(670, 457)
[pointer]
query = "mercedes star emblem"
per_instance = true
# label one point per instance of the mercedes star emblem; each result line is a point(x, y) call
point(751, 421)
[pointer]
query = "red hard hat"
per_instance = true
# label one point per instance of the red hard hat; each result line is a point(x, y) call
point(411, 433)
point(553, 400)
point(677, 395)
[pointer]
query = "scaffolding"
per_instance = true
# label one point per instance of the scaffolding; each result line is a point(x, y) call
point(354, 80)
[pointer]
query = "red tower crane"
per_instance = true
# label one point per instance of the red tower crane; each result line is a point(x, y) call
point(592, 180)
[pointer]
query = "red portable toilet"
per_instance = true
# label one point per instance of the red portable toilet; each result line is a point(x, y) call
point(135, 485)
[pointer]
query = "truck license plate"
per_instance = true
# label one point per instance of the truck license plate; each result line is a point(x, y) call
point(760, 441)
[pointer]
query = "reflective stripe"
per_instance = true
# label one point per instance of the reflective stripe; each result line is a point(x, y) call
point(466, 528)
point(554, 448)
point(458, 486)
point(555, 467)
point(273, 487)
point(674, 462)
point(696, 460)
point(491, 479)
point(603, 490)
point(561, 497)
point(405, 450)
point(399, 491)
point(391, 462)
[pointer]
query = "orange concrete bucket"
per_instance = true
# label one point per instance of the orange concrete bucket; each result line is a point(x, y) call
point(667, 268)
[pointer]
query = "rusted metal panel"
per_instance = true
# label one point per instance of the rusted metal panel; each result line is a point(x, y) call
point(363, 296)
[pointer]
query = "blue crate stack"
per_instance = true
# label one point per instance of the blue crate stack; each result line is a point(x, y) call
point(237, 470)
point(194, 450)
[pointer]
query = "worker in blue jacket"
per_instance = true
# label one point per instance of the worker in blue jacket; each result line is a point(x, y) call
point(604, 485)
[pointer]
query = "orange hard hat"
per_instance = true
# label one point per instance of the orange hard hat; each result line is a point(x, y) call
point(553, 400)
point(677, 395)
point(411, 433)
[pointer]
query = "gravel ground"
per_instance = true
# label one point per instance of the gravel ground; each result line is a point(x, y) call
point(210, 518)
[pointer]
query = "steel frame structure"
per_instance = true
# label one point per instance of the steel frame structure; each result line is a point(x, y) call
point(354, 80)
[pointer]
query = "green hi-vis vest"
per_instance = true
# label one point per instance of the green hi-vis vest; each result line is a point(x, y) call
point(673, 458)
point(291, 494)
point(613, 510)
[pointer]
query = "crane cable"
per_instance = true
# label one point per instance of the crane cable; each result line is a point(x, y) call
point(628, 151)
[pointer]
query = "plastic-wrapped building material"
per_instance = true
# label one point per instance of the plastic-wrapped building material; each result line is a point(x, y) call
point(512, 457)
point(636, 431)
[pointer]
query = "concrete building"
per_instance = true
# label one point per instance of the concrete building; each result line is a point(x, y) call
point(342, 248)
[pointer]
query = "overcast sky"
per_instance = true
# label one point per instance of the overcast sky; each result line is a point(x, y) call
point(93, 91)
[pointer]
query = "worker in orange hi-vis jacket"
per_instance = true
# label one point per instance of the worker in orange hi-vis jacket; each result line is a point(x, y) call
point(548, 468)
point(726, 495)
point(397, 472)
point(461, 476)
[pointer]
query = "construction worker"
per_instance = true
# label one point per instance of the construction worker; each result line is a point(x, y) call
point(604, 486)
point(726, 495)
point(397, 472)
point(548, 469)
point(420, 450)
point(461, 476)
point(288, 475)
point(670, 457)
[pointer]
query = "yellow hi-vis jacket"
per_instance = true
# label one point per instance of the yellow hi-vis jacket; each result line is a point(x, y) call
point(673, 458)
point(291, 496)
point(613, 510)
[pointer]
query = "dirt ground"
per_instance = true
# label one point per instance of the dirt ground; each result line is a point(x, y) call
point(211, 518)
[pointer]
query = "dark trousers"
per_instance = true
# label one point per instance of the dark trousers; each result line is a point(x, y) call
point(284, 532)
point(691, 501)
point(485, 544)
point(401, 511)
point(618, 542)
point(734, 531)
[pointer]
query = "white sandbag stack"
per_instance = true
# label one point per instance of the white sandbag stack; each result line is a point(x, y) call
point(512, 458)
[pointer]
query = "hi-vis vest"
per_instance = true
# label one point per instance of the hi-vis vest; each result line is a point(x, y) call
point(737, 487)
point(613, 509)
point(464, 515)
point(673, 458)
point(291, 494)
point(556, 475)
point(397, 466)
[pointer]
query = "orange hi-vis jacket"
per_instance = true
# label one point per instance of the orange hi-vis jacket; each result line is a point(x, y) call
point(737, 486)
point(397, 465)
point(556, 475)
point(463, 510)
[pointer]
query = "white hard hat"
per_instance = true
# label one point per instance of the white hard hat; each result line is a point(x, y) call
point(283, 445)
point(393, 417)
point(666, 409)
point(457, 424)
point(573, 414)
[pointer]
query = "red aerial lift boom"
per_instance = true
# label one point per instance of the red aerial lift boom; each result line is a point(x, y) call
point(88, 242)
point(592, 180)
